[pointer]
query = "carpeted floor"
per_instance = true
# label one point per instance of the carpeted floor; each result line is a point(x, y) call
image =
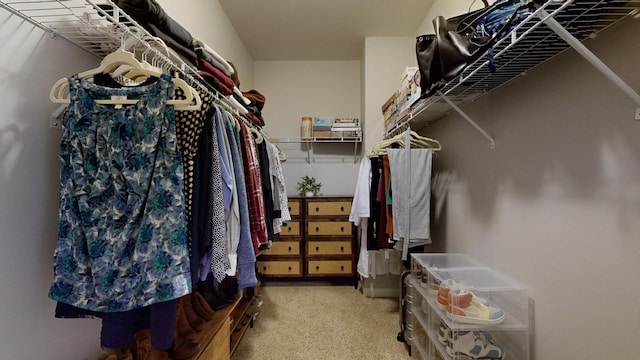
point(300, 322)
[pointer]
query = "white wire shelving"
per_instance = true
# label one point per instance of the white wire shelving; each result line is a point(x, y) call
point(100, 27)
point(553, 27)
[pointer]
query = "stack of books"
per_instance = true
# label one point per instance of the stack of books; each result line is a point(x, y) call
point(346, 128)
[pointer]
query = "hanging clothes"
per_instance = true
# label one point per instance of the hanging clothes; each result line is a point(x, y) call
point(122, 233)
point(267, 190)
point(374, 222)
point(255, 197)
point(210, 225)
point(281, 201)
point(246, 255)
point(360, 213)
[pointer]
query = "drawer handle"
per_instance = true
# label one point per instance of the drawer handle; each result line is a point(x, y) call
point(264, 268)
point(341, 208)
point(289, 208)
point(342, 267)
point(289, 268)
point(317, 209)
point(342, 228)
point(317, 267)
point(317, 248)
point(341, 248)
point(290, 248)
point(317, 229)
point(289, 228)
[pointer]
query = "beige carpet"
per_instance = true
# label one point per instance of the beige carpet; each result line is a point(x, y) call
point(300, 322)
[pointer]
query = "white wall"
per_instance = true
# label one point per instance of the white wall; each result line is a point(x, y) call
point(384, 61)
point(447, 8)
point(30, 62)
point(556, 204)
point(294, 89)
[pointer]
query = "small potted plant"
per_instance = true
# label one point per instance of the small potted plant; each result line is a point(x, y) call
point(308, 186)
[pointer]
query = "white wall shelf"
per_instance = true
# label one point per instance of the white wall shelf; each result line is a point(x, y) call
point(553, 27)
point(309, 141)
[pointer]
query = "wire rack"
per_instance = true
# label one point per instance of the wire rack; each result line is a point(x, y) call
point(100, 27)
point(528, 45)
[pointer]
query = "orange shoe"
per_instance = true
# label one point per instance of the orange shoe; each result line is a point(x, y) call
point(451, 292)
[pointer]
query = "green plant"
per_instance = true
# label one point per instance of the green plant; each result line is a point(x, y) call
point(307, 184)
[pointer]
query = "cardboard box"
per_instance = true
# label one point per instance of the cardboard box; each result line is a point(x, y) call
point(322, 134)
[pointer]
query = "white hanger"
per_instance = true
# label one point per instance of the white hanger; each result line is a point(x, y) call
point(60, 91)
point(258, 136)
point(417, 141)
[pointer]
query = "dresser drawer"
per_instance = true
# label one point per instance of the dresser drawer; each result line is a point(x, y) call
point(324, 208)
point(280, 268)
point(291, 229)
point(283, 248)
point(329, 228)
point(294, 207)
point(330, 267)
point(329, 248)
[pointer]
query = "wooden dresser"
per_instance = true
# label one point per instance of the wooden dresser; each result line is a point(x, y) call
point(284, 258)
point(318, 243)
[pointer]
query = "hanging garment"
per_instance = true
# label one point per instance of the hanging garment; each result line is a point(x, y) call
point(374, 220)
point(267, 190)
point(255, 197)
point(411, 188)
point(246, 254)
point(189, 125)
point(281, 201)
point(359, 215)
point(209, 221)
point(121, 235)
point(386, 206)
point(231, 217)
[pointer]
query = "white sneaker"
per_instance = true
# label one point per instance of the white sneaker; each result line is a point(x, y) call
point(474, 345)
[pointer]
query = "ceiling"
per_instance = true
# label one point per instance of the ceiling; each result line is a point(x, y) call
point(320, 29)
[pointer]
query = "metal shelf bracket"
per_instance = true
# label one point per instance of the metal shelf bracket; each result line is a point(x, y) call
point(589, 56)
point(455, 107)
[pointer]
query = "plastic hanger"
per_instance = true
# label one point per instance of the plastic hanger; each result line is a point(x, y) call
point(259, 138)
point(416, 141)
point(60, 93)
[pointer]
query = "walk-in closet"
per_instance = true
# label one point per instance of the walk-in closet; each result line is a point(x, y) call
point(357, 179)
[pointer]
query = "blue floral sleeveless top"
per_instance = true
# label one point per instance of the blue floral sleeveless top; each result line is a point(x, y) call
point(121, 236)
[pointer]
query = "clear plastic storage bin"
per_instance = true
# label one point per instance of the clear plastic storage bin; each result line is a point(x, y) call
point(454, 328)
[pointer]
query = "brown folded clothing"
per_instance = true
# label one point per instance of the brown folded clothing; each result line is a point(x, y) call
point(255, 120)
point(256, 96)
point(234, 76)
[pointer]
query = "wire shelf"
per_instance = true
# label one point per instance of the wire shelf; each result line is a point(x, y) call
point(530, 44)
point(100, 28)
